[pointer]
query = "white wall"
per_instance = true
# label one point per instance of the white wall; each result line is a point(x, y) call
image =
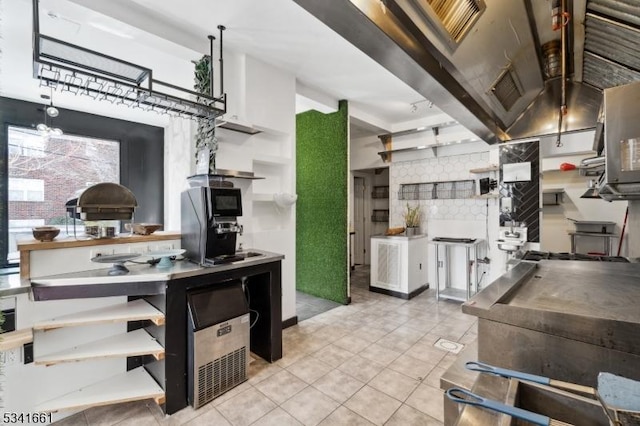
point(364, 153)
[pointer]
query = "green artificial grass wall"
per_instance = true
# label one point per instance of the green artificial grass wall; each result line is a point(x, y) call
point(321, 209)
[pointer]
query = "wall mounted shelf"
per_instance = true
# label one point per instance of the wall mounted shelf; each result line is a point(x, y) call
point(552, 196)
point(380, 192)
point(492, 168)
point(385, 155)
point(420, 130)
point(446, 190)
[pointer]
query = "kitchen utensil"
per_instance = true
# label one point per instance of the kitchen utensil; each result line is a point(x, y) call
point(107, 231)
point(142, 228)
point(503, 372)
point(45, 233)
point(92, 230)
point(465, 397)
point(165, 256)
point(620, 398)
point(118, 261)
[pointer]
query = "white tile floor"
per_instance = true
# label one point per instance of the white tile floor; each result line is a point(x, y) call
point(372, 362)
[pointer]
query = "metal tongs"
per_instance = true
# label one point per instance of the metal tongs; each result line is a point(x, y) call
point(470, 398)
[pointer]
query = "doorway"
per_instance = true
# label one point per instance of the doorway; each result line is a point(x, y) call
point(370, 210)
point(359, 219)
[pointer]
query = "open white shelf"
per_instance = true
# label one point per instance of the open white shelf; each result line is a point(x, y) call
point(122, 312)
point(15, 339)
point(263, 197)
point(133, 385)
point(134, 343)
point(492, 168)
point(272, 160)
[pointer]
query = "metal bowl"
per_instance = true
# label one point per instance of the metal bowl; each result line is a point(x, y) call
point(45, 233)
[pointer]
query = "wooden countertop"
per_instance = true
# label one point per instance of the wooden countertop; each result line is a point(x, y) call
point(67, 242)
point(27, 246)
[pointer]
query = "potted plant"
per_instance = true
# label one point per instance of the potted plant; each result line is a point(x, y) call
point(412, 220)
point(206, 142)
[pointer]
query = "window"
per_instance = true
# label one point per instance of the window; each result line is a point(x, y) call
point(25, 189)
point(39, 186)
point(39, 174)
point(26, 144)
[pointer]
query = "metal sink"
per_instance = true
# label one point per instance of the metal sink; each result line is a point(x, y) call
point(553, 403)
point(509, 245)
point(512, 239)
point(248, 254)
point(559, 405)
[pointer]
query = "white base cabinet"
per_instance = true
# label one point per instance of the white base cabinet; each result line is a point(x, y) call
point(399, 265)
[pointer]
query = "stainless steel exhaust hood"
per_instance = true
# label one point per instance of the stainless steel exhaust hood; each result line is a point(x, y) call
point(502, 44)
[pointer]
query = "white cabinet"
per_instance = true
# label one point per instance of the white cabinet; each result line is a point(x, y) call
point(399, 265)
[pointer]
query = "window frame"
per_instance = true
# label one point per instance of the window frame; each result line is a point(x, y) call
point(141, 156)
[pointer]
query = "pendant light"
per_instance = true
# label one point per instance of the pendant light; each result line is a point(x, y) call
point(49, 111)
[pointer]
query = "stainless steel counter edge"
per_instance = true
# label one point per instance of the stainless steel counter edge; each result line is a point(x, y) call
point(499, 289)
point(147, 273)
point(12, 284)
point(399, 237)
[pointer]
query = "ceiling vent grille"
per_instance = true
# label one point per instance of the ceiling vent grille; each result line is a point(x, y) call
point(457, 16)
point(451, 18)
point(507, 89)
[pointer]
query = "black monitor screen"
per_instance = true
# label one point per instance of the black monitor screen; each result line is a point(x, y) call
point(226, 202)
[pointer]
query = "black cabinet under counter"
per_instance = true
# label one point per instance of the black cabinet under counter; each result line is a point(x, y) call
point(263, 283)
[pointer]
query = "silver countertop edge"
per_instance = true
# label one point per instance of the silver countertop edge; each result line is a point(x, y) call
point(499, 289)
point(399, 237)
point(12, 284)
point(147, 273)
point(454, 243)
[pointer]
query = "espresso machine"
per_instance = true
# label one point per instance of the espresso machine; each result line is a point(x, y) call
point(209, 224)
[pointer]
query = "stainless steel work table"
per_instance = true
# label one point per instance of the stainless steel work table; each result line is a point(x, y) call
point(563, 319)
point(606, 240)
point(449, 292)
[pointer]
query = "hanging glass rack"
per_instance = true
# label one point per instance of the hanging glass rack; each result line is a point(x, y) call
point(69, 68)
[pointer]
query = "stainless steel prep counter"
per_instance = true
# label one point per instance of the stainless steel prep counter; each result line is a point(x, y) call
point(141, 279)
point(563, 319)
point(13, 284)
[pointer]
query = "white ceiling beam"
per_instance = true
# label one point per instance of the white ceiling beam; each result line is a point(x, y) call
point(308, 98)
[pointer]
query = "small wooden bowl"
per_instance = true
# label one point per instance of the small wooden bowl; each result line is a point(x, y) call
point(143, 228)
point(45, 233)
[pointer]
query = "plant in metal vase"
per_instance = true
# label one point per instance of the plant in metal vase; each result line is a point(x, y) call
point(206, 141)
point(412, 220)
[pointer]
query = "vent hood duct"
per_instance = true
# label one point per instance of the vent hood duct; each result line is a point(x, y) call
point(541, 116)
